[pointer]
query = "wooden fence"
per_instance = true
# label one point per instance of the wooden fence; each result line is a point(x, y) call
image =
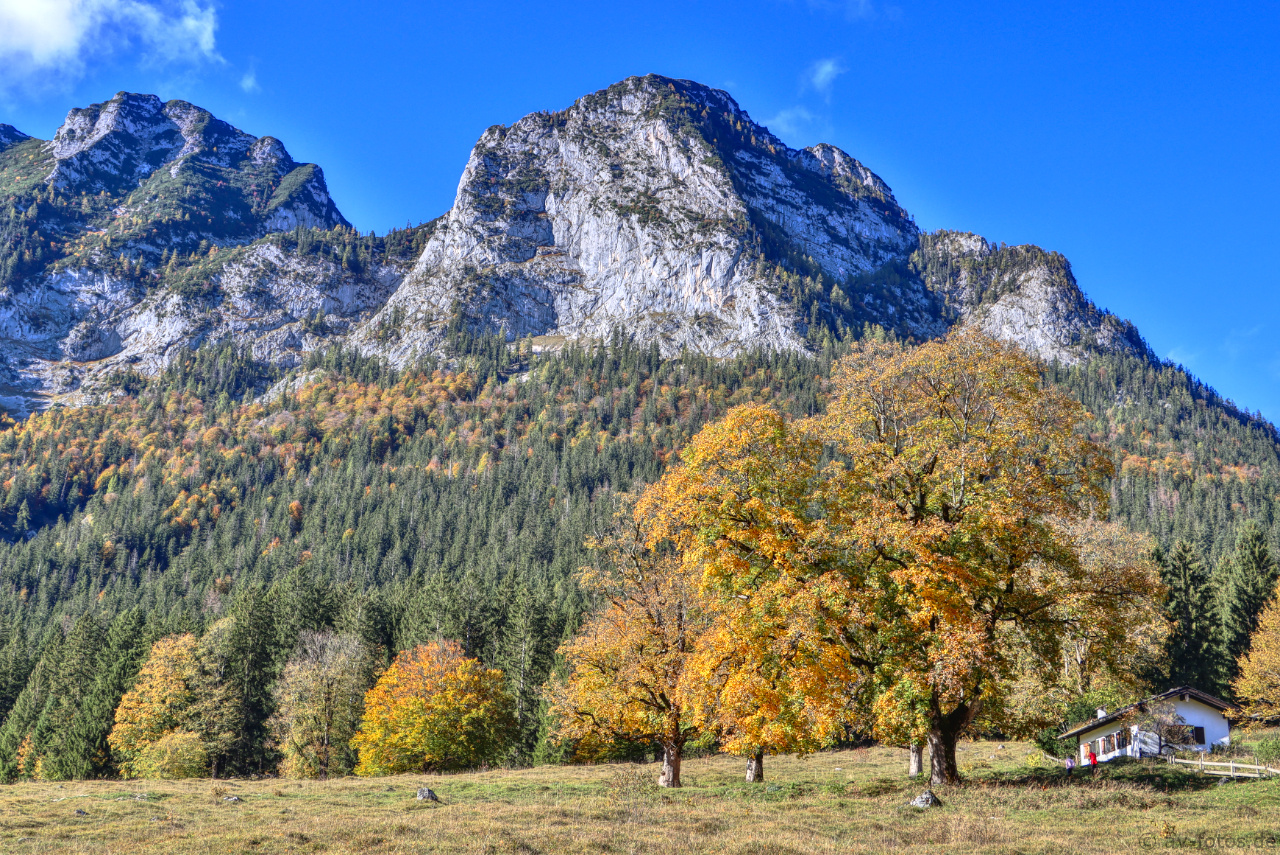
point(1228, 769)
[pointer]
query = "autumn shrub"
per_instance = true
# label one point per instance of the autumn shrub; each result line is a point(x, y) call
point(178, 754)
point(435, 710)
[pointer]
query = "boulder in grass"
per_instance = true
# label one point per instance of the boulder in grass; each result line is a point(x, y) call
point(425, 795)
point(926, 800)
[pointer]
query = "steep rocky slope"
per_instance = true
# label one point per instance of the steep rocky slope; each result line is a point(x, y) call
point(110, 239)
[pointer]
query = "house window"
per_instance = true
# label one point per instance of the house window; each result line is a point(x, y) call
point(1199, 735)
point(1122, 739)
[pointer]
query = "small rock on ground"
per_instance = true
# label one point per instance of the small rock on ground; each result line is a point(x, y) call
point(425, 795)
point(926, 800)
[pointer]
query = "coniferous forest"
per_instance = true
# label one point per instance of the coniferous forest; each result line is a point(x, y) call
point(259, 512)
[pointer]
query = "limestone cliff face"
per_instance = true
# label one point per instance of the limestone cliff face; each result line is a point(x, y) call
point(84, 325)
point(659, 207)
point(1021, 294)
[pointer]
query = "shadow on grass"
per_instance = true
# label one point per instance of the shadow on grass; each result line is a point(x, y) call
point(1148, 773)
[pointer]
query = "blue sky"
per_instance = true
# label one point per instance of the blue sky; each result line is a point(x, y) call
point(1139, 139)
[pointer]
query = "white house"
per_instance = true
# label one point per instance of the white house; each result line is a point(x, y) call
point(1183, 718)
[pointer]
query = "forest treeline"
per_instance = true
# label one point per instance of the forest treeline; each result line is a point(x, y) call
point(450, 500)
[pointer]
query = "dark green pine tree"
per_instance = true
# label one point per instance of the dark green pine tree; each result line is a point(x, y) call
point(17, 734)
point(250, 649)
point(65, 751)
point(1193, 654)
point(85, 752)
point(524, 657)
point(15, 666)
point(1249, 585)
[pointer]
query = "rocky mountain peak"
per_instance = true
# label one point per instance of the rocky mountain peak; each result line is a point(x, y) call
point(657, 205)
point(10, 135)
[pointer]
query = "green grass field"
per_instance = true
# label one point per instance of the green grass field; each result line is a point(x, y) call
point(838, 802)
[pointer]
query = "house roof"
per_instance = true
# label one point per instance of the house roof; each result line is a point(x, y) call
point(1196, 694)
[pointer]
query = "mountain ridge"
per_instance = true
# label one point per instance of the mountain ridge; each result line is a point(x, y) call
point(656, 205)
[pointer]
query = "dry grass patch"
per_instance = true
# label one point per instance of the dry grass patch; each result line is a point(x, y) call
point(839, 802)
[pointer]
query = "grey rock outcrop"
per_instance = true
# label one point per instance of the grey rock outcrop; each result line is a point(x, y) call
point(656, 206)
point(117, 145)
point(1021, 294)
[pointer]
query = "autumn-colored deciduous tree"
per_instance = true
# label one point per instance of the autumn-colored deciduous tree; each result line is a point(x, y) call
point(629, 667)
point(433, 709)
point(781, 664)
point(933, 561)
point(1258, 685)
point(319, 700)
point(157, 705)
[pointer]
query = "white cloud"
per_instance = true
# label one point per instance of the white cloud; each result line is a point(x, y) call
point(790, 122)
point(823, 73)
point(249, 83)
point(44, 42)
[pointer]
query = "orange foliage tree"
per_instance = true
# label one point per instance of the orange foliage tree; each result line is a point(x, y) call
point(434, 709)
point(1258, 684)
point(930, 562)
point(628, 666)
point(778, 666)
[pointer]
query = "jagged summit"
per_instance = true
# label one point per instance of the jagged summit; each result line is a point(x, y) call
point(659, 206)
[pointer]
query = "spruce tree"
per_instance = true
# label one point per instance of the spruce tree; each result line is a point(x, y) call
point(1193, 653)
point(1249, 584)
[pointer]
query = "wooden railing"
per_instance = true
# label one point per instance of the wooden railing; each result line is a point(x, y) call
point(1229, 768)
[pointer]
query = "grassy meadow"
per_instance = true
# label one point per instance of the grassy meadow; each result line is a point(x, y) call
point(837, 802)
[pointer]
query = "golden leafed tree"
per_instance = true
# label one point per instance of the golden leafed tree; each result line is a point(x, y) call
point(628, 665)
point(915, 549)
point(1258, 685)
point(434, 709)
point(780, 664)
point(156, 706)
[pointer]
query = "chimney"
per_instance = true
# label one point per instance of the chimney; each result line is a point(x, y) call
point(1102, 712)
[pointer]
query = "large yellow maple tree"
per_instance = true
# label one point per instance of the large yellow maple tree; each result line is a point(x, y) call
point(629, 665)
point(909, 555)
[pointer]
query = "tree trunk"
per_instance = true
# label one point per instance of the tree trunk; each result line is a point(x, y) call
point(755, 767)
point(670, 765)
point(916, 764)
point(942, 758)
